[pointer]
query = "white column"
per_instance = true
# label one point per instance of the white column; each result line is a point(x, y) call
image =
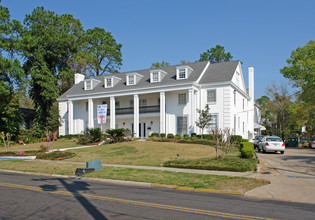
point(90, 114)
point(136, 115)
point(70, 117)
point(112, 113)
point(191, 111)
point(162, 112)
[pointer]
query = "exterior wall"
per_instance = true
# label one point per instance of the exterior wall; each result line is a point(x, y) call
point(174, 109)
point(63, 111)
point(80, 114)
point(226, 110)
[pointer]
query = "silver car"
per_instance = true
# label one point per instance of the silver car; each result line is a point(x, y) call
point(271, 143)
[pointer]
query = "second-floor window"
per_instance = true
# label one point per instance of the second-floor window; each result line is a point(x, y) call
point(143, 102)
point(182, 98)
point(211, 96)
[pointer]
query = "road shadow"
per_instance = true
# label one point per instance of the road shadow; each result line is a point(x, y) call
point(74, 188)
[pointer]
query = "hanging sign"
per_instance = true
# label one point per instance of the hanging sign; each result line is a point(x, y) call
point(101, 114)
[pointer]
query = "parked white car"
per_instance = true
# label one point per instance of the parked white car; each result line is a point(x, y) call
point(271, 143)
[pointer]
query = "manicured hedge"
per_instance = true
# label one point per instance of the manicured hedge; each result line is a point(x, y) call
point(236, 139)
point(170, 135)
point(155, 135)
point(247, 150)
point(177, 136)
point(162, 135)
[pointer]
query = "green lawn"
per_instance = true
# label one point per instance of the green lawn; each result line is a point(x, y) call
point(224, 183)
point(145, 153)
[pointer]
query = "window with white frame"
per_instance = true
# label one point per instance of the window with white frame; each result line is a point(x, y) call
point(86, 106)
point(88, 85)
point(143, 102)
point(182, 125)
point(239, 123)
point(131, 80)
point(243, 104)
point(214, 121)
point(131, 103)
point(155, 77)
point(235, 97)
point(211, 96)
point(109, 82)
point(182, 74)
point(182, 99)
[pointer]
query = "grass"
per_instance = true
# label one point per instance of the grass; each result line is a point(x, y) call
point(145, 153)
point(235, 184)
point(36, 146)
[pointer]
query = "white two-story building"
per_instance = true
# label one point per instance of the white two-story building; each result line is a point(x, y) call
point(162, 100)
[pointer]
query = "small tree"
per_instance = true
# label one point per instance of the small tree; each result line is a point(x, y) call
point(204, 119)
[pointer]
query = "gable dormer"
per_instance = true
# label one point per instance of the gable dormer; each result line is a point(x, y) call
point(156, 75)
point(90, 84)
point(110, 81)
point(183, 72)
point(132, 78)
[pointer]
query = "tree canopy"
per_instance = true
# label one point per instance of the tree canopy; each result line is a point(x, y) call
point(11, 73)
point(216, 55)
point(301, 69)
point(159, 65)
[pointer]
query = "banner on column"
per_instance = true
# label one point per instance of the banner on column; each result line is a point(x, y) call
point(101, 114)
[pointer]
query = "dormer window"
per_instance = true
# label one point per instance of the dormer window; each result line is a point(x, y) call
point(133, 78)
point(183, 72)
point(90, 84)
point(110, 81)
point(155, 77)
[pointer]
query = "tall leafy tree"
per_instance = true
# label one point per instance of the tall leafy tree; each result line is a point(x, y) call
point(159, 65)
point(216, 54)
point(301, 69)
point(100, 53)
point(11, 73)
point(49, 42)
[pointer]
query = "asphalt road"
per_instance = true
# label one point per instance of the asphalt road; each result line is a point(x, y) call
point(41, 197)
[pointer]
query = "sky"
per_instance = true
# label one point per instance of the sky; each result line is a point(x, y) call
point(261, 34)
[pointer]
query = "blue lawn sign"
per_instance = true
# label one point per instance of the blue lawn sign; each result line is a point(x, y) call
point(101, 114)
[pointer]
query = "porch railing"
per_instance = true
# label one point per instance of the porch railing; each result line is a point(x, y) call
point(129, 110)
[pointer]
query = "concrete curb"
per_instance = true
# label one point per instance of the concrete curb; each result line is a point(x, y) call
point(129, 183)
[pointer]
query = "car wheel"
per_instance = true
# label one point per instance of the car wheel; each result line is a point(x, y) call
point(263, 150)
point(282, 152)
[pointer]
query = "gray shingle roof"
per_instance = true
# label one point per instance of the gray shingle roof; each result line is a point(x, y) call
point(217, 72)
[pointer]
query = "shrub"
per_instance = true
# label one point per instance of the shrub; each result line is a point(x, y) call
point(116, 135)
point(170, 135)
point(193, 135)
point(84, 139)
point(247, 150)
point(69, 136)
point(162, 135)
point(154, 135)
point(244, 140)
point(194, 138)
point(28, 136)
point(95, 133)
point(208, 136)
point(236, 139)
point(225, 163)
point(177, 136)
point(186, 136)
point(198, 136)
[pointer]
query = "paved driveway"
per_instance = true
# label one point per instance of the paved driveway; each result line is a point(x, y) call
point(299, 163)
point(292, 176)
